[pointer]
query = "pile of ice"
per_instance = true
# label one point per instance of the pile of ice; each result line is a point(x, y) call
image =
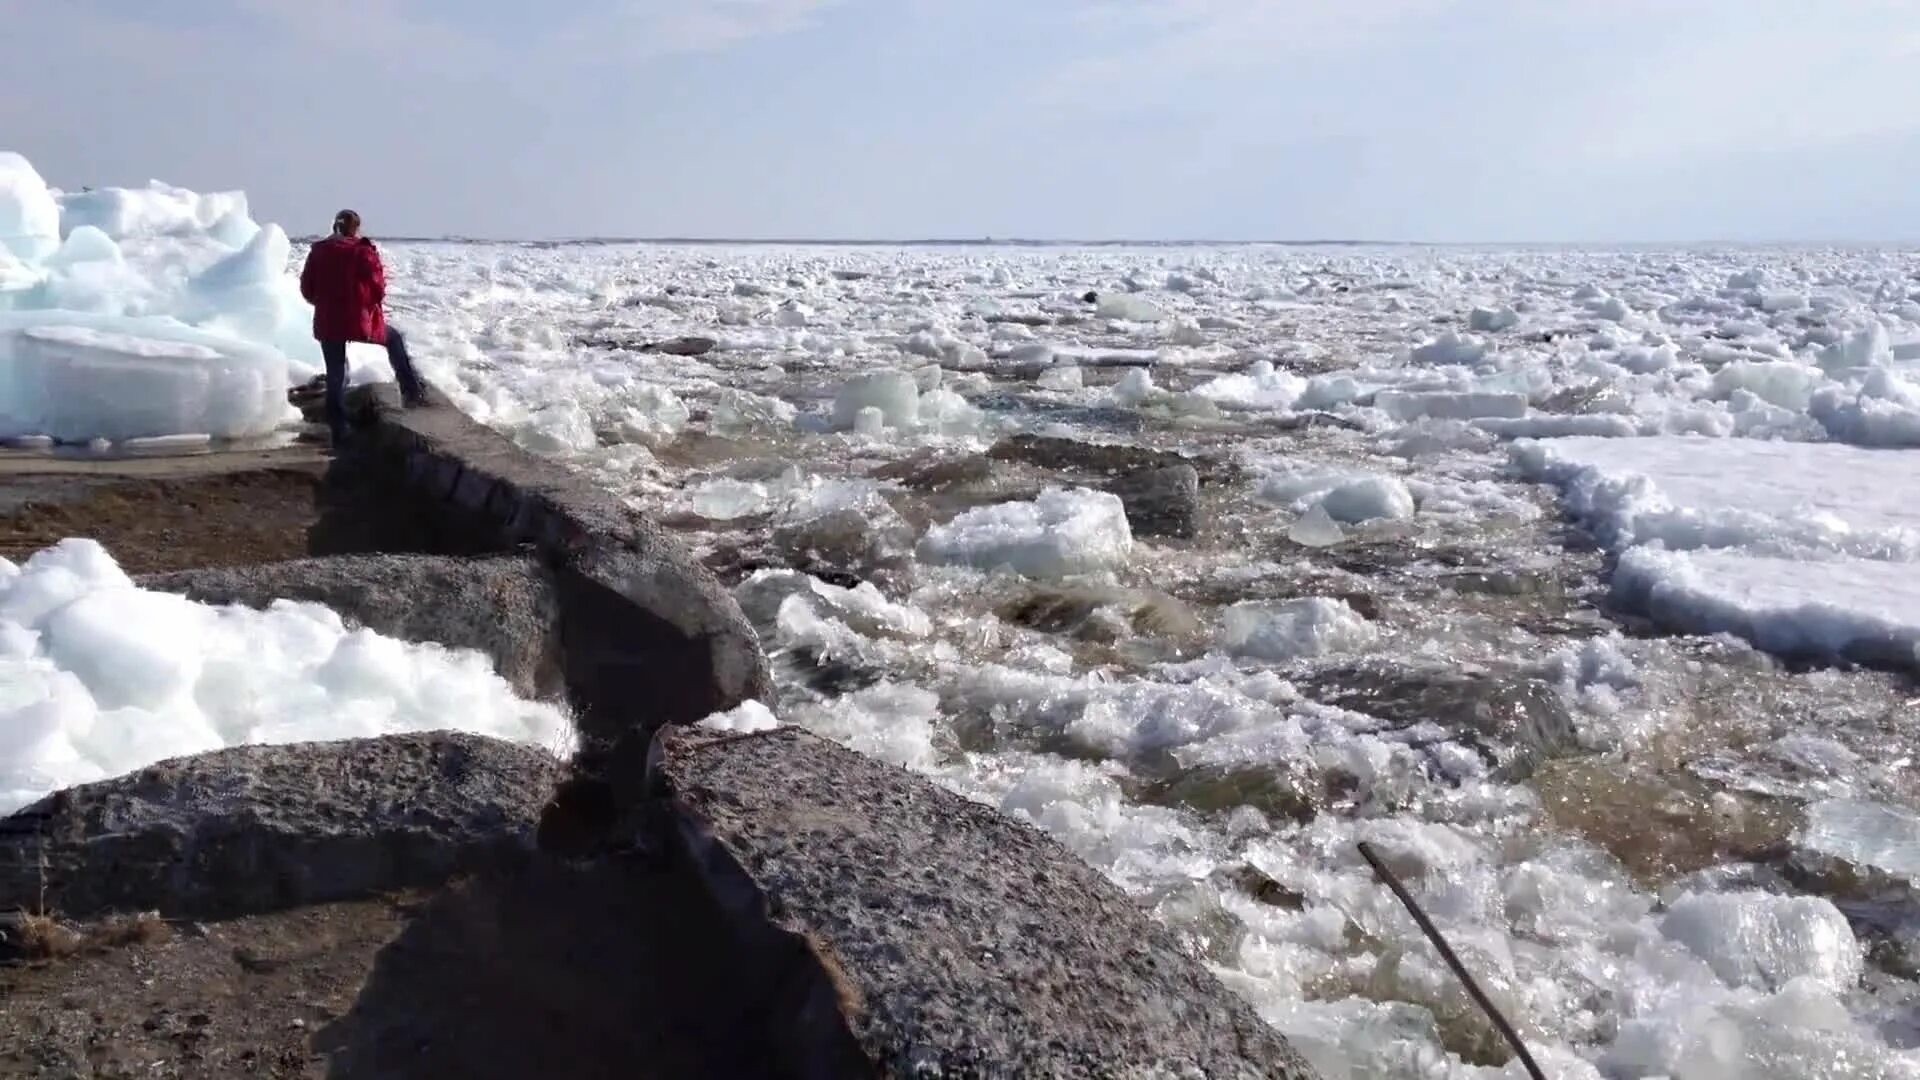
point(1406, 406)
point(1125, 307)
point(617, 410)
point(129, 313)
point(99, 677)
point(1352, 498)
point(76, 377)
point(1867, 835)
point(1262, 387)
point(1063, 533)
point(872, 403)
point(1799, 547)
point(1289, 629)
point(1884, 411)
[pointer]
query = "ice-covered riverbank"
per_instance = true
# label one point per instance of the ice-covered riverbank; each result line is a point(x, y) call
point(1384, 630)
point(1463, 516)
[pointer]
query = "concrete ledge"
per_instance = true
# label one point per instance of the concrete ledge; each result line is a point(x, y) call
point(648, 636)
point(949, 940)
point(262, 828)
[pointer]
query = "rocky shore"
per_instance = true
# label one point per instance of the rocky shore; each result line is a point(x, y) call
point(672, 901)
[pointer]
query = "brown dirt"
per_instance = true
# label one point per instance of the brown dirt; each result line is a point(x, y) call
point(559, 972)
point(158, 525)
point(189, 513)
point(235, 999)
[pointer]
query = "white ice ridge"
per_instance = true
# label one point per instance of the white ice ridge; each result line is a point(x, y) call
point(1863, 609)
point(136, 312)
point(1802, 548)
point(1784, 498)
point(99, 677)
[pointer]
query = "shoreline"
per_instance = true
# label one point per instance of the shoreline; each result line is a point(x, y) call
point(767, 840)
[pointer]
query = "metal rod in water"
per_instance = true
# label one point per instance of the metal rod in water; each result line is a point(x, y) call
point(1453, 961)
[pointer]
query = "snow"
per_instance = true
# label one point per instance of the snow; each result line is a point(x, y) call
point(1063, 533)
point(1839, 607)
point(1261, 387)
point(1343, 497)
point(29, 217)
point(129, 313)
point(750, 717)
point(1777, 497)
point(99, 677)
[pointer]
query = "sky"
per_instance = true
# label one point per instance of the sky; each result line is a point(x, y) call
point(1419, 120)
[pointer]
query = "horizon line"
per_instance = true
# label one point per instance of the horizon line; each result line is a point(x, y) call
point(1034, 242)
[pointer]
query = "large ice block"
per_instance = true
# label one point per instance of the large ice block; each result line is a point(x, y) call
point(78, 376)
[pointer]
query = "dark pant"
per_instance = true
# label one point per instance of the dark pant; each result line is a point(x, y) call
point(335, 354)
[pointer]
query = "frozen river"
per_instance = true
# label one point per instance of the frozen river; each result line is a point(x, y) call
point(1578, 583)
point(1485, 543)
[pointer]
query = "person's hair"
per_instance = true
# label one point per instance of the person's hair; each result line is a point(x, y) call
point(346, 223)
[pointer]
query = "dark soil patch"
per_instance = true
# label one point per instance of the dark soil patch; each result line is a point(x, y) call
point(159, 525)
point(234, 999)
point(561, 972)
point(207, 518)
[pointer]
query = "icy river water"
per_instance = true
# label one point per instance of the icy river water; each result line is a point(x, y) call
point(1580, 584)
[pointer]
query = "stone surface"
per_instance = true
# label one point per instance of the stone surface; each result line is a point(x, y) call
point(952, 941)
point(1524, 721)
point(1161, 502)
point(682, 346)
point(262, 828)
point(506, 607)
point(934, 471)
point(1108, 460)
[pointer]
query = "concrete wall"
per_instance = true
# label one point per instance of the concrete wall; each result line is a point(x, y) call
point(647, 635)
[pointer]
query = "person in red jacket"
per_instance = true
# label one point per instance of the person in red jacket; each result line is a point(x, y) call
point(347, 286)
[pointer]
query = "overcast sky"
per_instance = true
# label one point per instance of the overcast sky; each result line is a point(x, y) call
point(1446, 120)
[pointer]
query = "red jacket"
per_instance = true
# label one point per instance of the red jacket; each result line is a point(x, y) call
point(345, 283)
